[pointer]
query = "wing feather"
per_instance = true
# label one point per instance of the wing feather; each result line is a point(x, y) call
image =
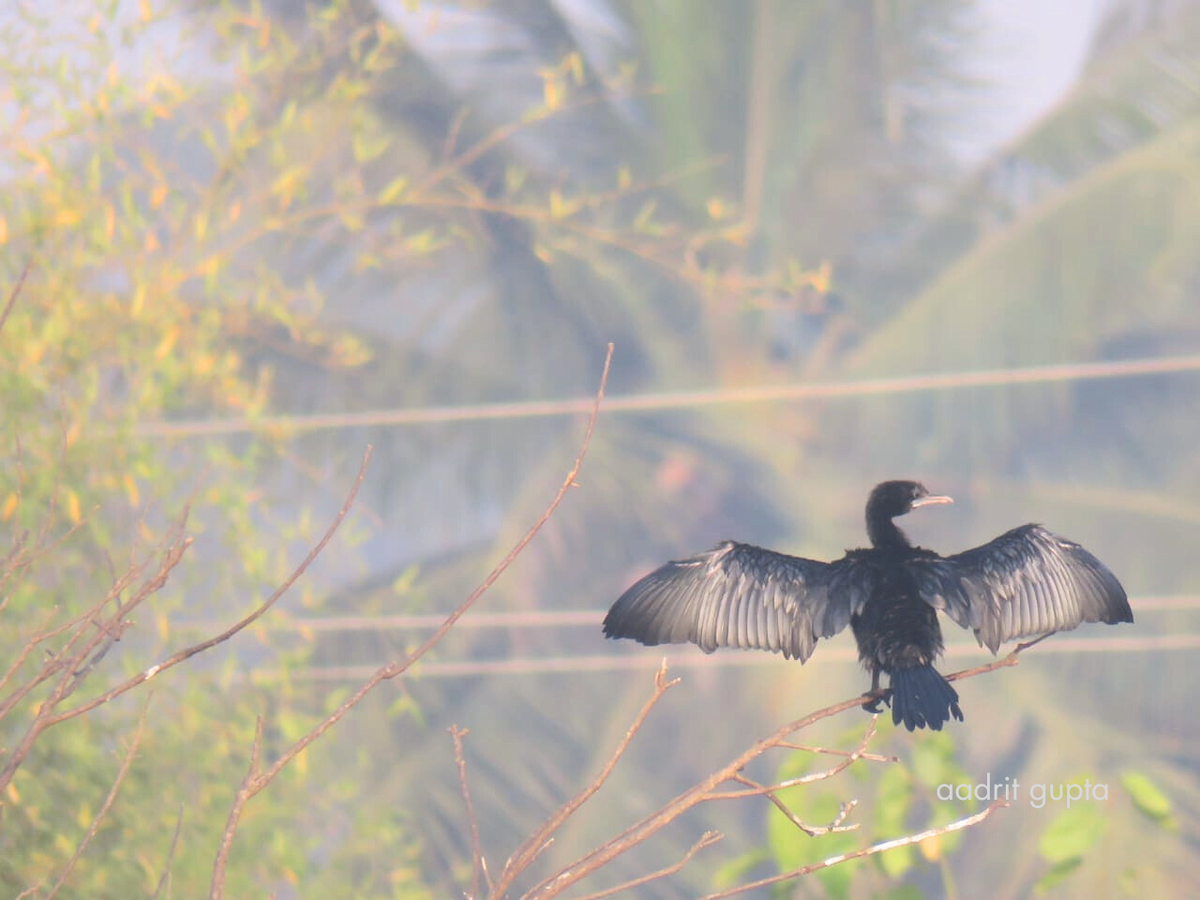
point(1027, 581)
point(738, 595)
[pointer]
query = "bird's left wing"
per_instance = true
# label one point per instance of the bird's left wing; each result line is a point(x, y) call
point(1027, 581)
point(738, 595)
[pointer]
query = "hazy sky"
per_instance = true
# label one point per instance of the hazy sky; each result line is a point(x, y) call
point(1032, 50)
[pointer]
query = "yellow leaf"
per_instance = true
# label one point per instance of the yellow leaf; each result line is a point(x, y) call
point(73, 511)
point(67, 217)
point(164, 627)
point(83, 817)
point(3, 230)
point(167, 343)
point(931, 847)
point(138, 301)
point(716, 208)
point(822, 278)
point(550, 92)
point(10, 506)
point(158, 195)
point(392, 192)
point(131, 490)
point(12, 793)
point(34, 351)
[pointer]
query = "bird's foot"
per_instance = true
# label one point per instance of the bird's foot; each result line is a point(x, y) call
point(871, 699)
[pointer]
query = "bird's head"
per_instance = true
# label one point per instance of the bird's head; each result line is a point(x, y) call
point(896, 498)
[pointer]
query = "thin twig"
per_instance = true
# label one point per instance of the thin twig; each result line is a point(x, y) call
point(851, 757)
point(260, 780)
point(238, 626)
point(70, 658)
point(706, 840)
point(833, 751)
point(162, 880)
point(12, 297)
point(457, 734)
point(245, 791)
point(864, 851)
point(104, 807)
point(540, 839)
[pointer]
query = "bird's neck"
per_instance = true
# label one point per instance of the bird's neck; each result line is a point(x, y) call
point(885, 535)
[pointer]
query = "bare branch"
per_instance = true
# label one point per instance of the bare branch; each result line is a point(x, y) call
point(108, 802)
point(833, 751)
point(162, 881)
point(758, 789)
point(864, 851)
point(238, 626)
point(257, 782)
point(540, 839)
point(810, 830)
point(70, 658)
point(477, 868)
point(706, 840)
point(697, 794)
point(245, 791)
point(707, 790)
point(12, 297)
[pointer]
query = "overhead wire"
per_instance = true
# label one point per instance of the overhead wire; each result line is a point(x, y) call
point(646, 402)
point(647, 661)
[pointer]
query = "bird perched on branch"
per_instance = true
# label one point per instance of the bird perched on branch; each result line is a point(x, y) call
point(1026, 582)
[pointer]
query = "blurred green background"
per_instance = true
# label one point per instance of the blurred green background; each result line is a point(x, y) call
point(833, 242)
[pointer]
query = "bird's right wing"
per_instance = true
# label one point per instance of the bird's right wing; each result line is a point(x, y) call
point(1027, 581)
point(738, 595)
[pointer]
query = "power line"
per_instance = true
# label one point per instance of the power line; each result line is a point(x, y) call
point(681, 399)
point(695, 659)
point(529, 619)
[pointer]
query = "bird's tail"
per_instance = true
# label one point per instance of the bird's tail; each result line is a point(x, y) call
point(921, 698)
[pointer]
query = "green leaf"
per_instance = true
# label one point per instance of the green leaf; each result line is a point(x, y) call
point(893, 800)
point(1058, 873)
point(897, 861)
point(1147, 796)
point(738, 868)
point(1072, 832)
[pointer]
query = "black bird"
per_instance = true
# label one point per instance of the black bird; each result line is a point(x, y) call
point(1026, 582)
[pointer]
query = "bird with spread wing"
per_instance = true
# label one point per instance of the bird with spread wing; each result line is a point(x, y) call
point(1026, 582)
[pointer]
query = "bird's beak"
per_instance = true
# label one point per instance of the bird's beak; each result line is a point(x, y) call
point(931, 499)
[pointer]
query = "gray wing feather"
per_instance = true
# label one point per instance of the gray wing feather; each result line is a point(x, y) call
point(1027, 581)
point(738, 595)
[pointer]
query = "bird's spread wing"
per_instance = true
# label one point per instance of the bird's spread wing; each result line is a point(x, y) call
point(1027, 581)
point(737, 595)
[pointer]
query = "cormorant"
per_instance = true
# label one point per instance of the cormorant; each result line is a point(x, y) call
point(1026, 582)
